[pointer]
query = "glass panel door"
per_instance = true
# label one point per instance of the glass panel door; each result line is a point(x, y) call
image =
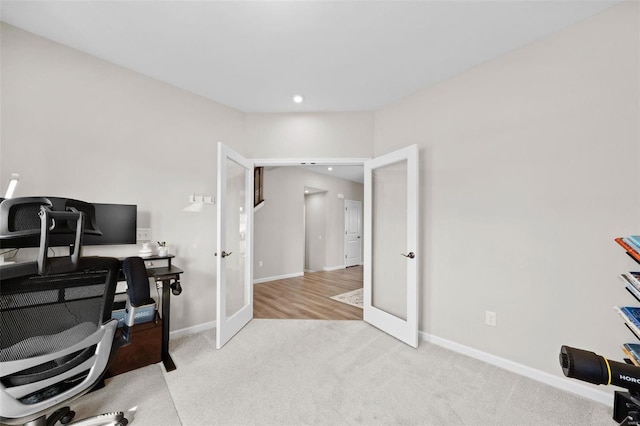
point(234, 249)
point(391, 229)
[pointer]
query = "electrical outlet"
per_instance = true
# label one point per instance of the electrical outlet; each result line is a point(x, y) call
point(260, 263)
point(143, 235)
point(490, 318)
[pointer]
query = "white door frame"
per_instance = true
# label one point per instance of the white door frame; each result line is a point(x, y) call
point(273, 162)
point(266, 162)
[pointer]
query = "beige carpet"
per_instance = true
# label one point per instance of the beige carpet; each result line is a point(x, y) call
point(142, 394)
point(313, 372)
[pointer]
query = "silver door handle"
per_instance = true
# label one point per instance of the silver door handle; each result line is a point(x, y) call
point(411, 255)
point(225, 254)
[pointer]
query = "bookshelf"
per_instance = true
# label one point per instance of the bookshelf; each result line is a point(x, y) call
point(626, 405)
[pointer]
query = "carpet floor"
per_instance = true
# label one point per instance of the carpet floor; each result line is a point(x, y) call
point(313, 372)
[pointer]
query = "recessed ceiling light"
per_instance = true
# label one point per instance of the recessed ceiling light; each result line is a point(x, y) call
point(298, 99)
point(306, 191)
point(329, 168)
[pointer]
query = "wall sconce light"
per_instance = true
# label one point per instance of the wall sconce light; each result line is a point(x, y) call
point(198, 201)
point(15, 177)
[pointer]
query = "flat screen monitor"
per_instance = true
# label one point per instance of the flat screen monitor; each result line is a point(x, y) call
point(117, 222)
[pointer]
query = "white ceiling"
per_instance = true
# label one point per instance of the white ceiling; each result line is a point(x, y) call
point(254, 55)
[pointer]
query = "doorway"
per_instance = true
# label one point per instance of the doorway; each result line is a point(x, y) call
point(398, 169)
point(307, 265)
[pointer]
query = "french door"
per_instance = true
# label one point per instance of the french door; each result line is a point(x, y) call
point(391, 244)
point(234, 244)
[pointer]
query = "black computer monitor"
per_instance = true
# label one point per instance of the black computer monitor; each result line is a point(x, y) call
point(117, 222)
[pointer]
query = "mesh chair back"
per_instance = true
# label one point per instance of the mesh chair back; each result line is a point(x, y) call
point(54, 329)
point(19, 217)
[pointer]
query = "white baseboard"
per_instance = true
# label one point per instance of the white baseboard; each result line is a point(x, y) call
point(192, 330)
point(278, 277)
point(332, 268)
point(566, 384)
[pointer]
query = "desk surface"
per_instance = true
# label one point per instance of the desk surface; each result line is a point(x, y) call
point(163, 271)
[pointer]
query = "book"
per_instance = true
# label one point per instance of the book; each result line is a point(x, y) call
point(631, 317)
point(635, 239)
point(632, 278)
point(628, 248)
point(634, 291)
point(634, 246)
point(632, 313)
point(627, 280)
point(633, 351)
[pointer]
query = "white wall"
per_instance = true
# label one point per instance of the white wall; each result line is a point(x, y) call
point(315, 246)
point(76, 126)
point(279, 224)
point(529, 169)
point(310, 135)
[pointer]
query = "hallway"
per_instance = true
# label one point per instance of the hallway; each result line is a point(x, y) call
point(308, 297)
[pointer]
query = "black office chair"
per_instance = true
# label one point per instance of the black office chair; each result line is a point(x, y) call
point(56, 330)
point(138, 293)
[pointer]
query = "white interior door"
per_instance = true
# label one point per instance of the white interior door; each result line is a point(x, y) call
point(391, 238)
point(352, 233)
point(234, 245)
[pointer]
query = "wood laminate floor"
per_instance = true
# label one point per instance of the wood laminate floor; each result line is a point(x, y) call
point(308, 297)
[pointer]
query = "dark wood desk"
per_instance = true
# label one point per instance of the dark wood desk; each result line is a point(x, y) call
point(164, 275)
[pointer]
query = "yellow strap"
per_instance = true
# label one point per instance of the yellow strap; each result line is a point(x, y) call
point(606, 361)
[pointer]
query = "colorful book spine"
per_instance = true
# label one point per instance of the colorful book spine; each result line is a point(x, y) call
point(633, 352)
point(632, 314)
point(628, 320)
point(634, 246)
point(635, 239)
point(628, 248)
point(632, 278)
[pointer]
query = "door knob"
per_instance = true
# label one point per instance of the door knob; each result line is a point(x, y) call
point(225, 254)
point(411, 255)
